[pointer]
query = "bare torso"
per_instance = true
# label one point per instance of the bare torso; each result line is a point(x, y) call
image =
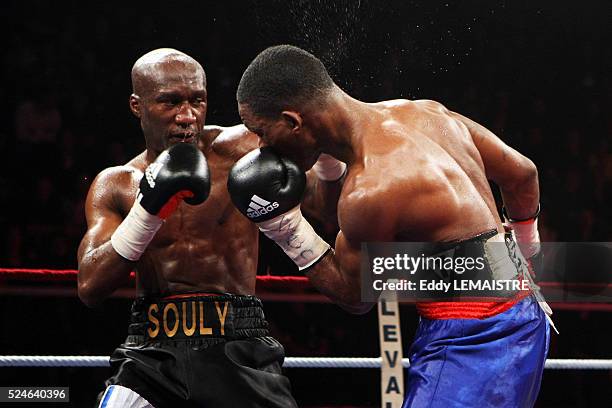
point(418, 174)
point(210, 247)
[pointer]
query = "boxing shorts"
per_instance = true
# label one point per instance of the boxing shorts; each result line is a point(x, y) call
point(198, 350)
point(481, 354)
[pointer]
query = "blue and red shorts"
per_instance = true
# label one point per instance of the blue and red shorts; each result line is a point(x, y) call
point(492, 362)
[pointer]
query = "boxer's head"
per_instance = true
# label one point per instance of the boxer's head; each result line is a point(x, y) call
point(280, 95)
point(169, 97)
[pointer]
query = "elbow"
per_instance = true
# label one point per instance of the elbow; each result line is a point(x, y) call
point(352, 302)
point(355, 305)
point(522, 177)
point(529, 172)
point(358, 308)
point(88, 294)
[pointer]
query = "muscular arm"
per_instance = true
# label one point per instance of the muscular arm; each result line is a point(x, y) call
point(338, 274)
point(321, 201)
point(515, 174)
point(338, 277)
point(101, 269)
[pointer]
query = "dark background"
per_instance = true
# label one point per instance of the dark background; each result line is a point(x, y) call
point(537, 73)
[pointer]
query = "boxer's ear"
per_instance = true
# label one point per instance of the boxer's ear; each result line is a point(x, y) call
point(135, 105)
point(293, 120)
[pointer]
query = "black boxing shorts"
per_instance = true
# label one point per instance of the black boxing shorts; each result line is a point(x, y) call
point(198, 350)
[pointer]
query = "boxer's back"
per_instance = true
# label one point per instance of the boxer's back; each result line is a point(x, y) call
point(420, 175)
point(209, 247)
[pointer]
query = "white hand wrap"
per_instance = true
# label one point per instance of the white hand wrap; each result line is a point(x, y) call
point(135, 233)
point(527, 236)
point(296, 237)
point(329, 168)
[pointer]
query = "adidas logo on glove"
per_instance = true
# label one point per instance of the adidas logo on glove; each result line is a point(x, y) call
point(151, 173)
point(154, 168)
point(258, 207)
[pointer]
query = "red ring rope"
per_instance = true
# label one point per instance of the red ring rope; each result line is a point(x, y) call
point(272, 286)
point(300, 282)
point(70, 275)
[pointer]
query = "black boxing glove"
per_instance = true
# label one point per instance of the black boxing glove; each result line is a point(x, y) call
point(268, 189)
point(180, 172)
point(264, 185)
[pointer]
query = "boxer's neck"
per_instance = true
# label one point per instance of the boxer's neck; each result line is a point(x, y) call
point(340, 124)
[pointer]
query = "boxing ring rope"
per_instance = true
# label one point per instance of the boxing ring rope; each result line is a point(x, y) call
point(293, 282)
point(290, 362)
point(70, 275)
point(269, 288)
point(297, 284)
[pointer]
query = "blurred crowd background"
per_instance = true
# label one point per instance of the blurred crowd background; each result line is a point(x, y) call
point(537, 73)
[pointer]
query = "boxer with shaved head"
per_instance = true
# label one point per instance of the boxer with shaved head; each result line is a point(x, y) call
point(198, 335)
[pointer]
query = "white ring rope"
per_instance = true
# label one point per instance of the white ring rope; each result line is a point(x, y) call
point(290, 362)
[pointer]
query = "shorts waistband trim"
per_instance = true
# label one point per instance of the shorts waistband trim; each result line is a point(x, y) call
point(197, 315)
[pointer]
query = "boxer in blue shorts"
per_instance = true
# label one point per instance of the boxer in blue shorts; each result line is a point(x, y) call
point(481, 354)
point(413, 171)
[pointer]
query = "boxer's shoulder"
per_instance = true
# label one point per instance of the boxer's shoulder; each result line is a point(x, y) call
point(402, 113)
point(234, 142)
point(211, 132)
point(430, 105)
point(417, 104)
point(119, 183)
point(405, 110)
point(395, 104)
point(122, 175)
